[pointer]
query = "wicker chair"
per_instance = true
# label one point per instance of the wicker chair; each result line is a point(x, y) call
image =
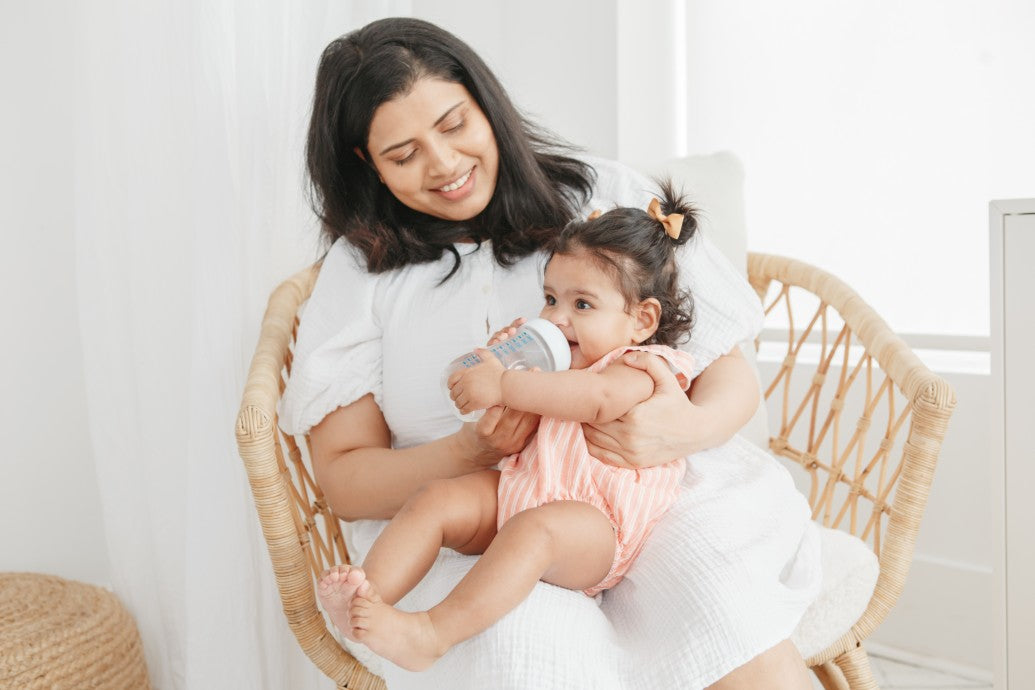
point(871, 480)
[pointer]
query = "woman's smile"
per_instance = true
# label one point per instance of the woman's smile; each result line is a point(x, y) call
point(435, 150)
point(459, 188)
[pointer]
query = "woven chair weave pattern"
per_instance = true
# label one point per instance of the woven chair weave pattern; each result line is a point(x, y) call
point(301, 532)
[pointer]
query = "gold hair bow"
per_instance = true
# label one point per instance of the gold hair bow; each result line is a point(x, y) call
point(594, 215)
point(673, 222)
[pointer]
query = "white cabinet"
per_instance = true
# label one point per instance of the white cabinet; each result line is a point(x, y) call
point(1012, 254)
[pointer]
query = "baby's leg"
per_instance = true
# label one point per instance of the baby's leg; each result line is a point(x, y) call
point(567, 543)
point(458, 513)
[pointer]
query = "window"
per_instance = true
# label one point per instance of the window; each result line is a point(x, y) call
point(873, 135)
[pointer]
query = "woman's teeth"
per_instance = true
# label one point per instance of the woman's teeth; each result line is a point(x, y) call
point(458, 184)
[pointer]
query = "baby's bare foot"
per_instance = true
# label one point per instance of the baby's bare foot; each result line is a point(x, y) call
point(406, 639)
point(336, 589)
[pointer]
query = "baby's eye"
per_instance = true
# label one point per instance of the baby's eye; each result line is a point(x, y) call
point(550, 300)
point(582, 304)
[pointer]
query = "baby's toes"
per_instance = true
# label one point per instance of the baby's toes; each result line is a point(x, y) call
point(368, 592)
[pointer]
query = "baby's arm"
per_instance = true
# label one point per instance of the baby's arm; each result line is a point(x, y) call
point(576, 395)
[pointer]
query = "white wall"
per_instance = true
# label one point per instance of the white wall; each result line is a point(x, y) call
point(50, 513)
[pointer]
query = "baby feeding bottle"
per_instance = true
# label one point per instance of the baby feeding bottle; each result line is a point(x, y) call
point(537, 344)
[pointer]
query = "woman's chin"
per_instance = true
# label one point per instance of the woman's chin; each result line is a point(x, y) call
point(459, 211)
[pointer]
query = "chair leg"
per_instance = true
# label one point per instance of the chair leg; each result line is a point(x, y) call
point(830, 676)
point(856, 667)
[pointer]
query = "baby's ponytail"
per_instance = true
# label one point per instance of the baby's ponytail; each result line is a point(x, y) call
point(674, 213)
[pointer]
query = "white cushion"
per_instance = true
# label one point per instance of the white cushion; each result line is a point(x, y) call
point(850, 570)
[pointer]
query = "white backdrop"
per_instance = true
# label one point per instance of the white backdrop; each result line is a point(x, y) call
point(189, 207)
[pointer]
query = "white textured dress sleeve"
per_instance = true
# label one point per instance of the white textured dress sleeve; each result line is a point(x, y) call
point(337, 357)
point(728, 311)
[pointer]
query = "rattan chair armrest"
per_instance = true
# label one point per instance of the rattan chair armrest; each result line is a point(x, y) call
point(257, 442)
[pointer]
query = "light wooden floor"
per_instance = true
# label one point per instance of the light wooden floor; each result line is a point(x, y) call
point(897, 675)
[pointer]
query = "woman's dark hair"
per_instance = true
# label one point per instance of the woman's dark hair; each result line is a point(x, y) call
point(538, 187)
point(633, 246)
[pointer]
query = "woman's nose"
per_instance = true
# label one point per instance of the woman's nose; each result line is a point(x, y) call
point(442, 160)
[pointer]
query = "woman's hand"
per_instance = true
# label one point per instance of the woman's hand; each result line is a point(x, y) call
point(668, 425)
point(657, 431)
point(500, 432)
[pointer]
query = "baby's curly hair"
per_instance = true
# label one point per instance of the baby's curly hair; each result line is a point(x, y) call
point(633, 246)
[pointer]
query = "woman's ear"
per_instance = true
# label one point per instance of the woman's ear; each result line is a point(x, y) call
point(648, 316)
point(363, 158)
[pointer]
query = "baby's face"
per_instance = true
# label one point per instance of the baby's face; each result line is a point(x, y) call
point(584, 302)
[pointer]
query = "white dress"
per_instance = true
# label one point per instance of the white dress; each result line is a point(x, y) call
point(727, 572)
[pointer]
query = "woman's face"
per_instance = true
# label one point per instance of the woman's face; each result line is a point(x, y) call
point(435, 150)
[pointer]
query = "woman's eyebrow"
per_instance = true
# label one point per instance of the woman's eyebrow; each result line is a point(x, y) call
point(437, 123)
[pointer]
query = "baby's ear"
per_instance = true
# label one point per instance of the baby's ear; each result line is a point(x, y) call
point(648, 316)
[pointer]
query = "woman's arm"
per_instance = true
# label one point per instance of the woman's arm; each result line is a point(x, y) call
point(363, 477)
point(673, 424)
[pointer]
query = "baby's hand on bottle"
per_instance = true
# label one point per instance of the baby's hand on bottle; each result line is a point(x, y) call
point(479, 387)
point(507, 332)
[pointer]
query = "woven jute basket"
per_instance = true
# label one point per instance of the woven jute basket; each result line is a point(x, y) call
point(57, 633)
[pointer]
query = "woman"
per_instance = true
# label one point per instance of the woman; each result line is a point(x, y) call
point(439, 197)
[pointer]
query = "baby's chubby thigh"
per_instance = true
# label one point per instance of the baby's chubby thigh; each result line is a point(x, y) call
point(556, 638)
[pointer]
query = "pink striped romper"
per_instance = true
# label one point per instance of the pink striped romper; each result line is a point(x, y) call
point(556, 466)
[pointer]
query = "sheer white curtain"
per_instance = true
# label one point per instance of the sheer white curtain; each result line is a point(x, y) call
point(190, 120)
